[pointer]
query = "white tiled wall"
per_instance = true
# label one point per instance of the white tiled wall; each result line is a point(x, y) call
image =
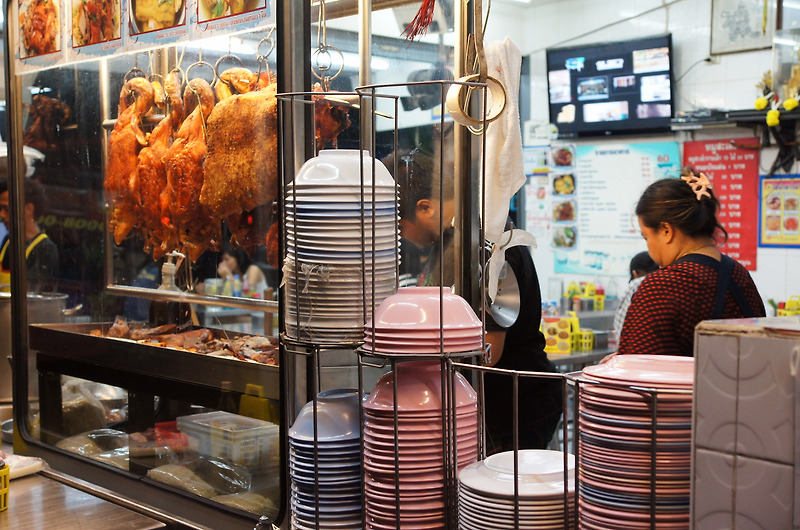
point(726, 83)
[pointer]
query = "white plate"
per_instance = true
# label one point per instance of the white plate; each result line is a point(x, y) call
point(540, 474)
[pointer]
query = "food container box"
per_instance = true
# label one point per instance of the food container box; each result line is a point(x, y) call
point(238, 439)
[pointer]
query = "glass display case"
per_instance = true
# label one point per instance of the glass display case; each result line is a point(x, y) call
point(147, 359)
point(162, 382)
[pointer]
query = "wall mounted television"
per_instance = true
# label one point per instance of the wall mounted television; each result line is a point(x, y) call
point(611, 88)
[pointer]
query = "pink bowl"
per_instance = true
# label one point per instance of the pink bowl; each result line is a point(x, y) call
point(419, 388)
point(420, 308)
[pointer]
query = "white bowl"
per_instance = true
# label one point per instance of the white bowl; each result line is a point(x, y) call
point(337, 417)
point(340, 167)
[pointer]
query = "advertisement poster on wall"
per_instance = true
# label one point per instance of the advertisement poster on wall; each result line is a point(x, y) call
point(778, 224)
point(732, 169)
point(607, 182)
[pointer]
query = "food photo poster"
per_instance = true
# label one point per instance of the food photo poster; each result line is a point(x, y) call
point(779, 222)
point(595, 228)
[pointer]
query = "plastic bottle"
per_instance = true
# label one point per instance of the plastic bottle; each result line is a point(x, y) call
point(237, 285)
point(178, 313)
point(227, 287)
point(245, 287)
point(226, 400)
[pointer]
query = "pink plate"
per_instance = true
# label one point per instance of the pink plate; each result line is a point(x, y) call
point(641, 490)
point(669, 371)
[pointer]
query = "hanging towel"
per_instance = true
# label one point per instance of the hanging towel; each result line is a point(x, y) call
point(505, 173)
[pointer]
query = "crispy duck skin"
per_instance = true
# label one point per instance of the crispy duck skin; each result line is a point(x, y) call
point(153, 176)
point(127, 138)
point(146, 333)
point(196, 229)
point(241, 169)
point(46, 116)
point(329, 119)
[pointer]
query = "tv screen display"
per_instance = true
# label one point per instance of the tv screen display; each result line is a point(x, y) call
point(611, 88)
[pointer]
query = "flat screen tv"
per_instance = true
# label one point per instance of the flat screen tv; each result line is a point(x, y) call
point(611, 88)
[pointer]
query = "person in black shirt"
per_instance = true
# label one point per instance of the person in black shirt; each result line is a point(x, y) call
point(426, 212)
point(41, 254)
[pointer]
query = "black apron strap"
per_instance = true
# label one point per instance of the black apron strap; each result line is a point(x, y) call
point(726, 283)
point(724, 279)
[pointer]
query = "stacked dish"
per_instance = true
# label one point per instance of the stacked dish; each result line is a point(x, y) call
point(410, 322)
point(326, 485)
point(486, 491)
point(625, 450)
point(341, 244)
point(404, 468)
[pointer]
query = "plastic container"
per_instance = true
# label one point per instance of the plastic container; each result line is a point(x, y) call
point(238, 439)
point(3, 486)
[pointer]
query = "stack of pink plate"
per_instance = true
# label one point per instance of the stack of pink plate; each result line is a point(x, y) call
point(415, 451)
point(486, 496)
point(624, 451)
point(410, 322)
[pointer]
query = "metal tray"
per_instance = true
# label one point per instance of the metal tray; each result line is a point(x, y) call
point(72, 342)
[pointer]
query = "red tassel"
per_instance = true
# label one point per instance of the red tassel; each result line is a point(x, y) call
point(423, 18)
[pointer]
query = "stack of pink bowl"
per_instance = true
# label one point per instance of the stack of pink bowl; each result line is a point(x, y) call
point(626, 449)
point(409, 323)
point(415, 450)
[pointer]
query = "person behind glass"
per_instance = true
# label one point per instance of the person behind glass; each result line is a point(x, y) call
point(41, 254)
point(696, 282)
point(641, 265)
point(518, 347)
point(235, 261)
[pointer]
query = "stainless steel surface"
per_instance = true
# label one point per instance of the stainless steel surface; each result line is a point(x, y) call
point(506, 304)
point(41, 308)
point(162, 295)
point(72, 343)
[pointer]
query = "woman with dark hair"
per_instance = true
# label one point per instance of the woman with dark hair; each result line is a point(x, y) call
point(678, 219)
point(236, 262)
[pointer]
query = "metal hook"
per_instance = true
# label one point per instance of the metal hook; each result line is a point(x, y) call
point(219, 62)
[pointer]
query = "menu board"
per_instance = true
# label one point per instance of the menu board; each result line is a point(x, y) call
point(733, 172)
point(51, 33)
point(778, 224)
point(600, 197)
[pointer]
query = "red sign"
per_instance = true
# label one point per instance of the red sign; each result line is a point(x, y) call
point(733, 172)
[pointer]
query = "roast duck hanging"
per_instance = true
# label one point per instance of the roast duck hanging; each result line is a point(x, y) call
point(212, 158)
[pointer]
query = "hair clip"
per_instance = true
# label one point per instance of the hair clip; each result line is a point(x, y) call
point(700, 184)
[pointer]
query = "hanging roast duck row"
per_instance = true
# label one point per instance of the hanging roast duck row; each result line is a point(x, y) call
point(212, 158)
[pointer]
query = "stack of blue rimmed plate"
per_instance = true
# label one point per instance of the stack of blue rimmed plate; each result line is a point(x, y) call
point(486, 492)
point(325, 469)
point(342, 241)
point(634, 445)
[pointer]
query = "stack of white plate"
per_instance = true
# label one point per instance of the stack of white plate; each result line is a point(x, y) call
point(423, 320)
point(326, 484)
point(486, 492)
point(414, 452)
point(342, 241)
point(618, 438)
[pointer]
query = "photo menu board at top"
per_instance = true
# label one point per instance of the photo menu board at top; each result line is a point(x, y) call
point(55, 32)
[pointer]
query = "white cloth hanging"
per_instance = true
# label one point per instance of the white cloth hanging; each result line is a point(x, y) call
point(505, 173)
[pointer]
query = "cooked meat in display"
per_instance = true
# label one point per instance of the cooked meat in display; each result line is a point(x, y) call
point(126, 140)
point(249, 348)
point(159, 235)
point(47, 115)
point(213, 157)
point(196, 229)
